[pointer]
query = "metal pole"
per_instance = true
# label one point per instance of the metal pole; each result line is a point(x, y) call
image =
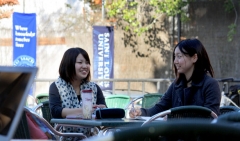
point(179, 27)
point(103, 9)
point(143, 87)
point(23, 6)
point(129, 88)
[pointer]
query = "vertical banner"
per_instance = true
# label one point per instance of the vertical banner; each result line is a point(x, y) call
point(24, 40)
point(103, 55)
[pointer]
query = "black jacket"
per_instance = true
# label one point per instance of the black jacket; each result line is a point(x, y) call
point(203, 93)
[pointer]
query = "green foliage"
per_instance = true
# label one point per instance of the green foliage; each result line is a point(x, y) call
point(128, 11)
point(68, 5)
point(184, 17)
point(228, 6)
point(170, 7)
point(231, 32)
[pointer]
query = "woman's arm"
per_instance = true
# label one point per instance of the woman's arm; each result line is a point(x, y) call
point(165, 103)
point(212, 95)
point(100, 98)
point(74, 111)
point(55, 104)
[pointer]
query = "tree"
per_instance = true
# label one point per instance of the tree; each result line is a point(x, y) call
point(7, 13)
point(143, 21)
point(230, 6)
point(131, 12)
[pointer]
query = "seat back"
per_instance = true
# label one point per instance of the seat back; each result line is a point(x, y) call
point(22, 131)
point(188, 130)
point(117, 101)
point(46, 112)
point(183, 112)
point(191, 111)
point(227, 109)
point(230, 117)
point(149, 100)
point(175, 130)
point(45, 124)
point(42, 97)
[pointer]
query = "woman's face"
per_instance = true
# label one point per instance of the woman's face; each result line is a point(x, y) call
point(184, 63)
point(82, 67)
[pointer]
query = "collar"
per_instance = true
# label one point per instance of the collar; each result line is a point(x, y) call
point(194, 83)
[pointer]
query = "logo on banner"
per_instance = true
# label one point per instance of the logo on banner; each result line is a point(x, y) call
point(24, 60)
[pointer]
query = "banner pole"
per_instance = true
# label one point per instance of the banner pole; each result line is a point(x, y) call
point(23, 6)
point(103, 15)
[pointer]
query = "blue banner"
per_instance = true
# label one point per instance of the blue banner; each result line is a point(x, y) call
point(103, 55)
point(24, 39)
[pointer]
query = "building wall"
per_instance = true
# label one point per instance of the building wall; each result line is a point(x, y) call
point(209, 22)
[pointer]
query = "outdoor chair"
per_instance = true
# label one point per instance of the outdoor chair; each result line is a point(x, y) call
point(44, 110)
point(175, 130)
point(182, 112)
point(31, 101)
point(230, 117)
point(22, 131)
point(57, 134)
point(117, 101)
point(227, 109)
point(147, 100)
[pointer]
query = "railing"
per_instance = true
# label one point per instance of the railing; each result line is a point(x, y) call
point(160, 83)
point(129, 81)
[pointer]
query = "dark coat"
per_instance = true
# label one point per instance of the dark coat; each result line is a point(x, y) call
point(203, 93)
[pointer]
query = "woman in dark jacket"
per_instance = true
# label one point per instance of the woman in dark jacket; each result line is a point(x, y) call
point(194, 83)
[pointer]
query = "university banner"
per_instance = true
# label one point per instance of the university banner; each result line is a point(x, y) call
point(24, 39)
point(103, 55)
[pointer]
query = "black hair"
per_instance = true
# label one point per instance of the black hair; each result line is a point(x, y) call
point(202, 65)
point(67, 65)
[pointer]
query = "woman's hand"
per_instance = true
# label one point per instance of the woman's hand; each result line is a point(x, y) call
point(73, 111)
point(94, 107)
point(99, 106)
point(135, 112)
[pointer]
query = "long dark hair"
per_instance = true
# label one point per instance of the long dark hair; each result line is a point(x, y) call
point(67, 65)
point(202, 65)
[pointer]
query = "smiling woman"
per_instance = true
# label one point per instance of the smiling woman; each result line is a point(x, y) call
point(184, 63)
point(65, 93)
point(194, 83)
